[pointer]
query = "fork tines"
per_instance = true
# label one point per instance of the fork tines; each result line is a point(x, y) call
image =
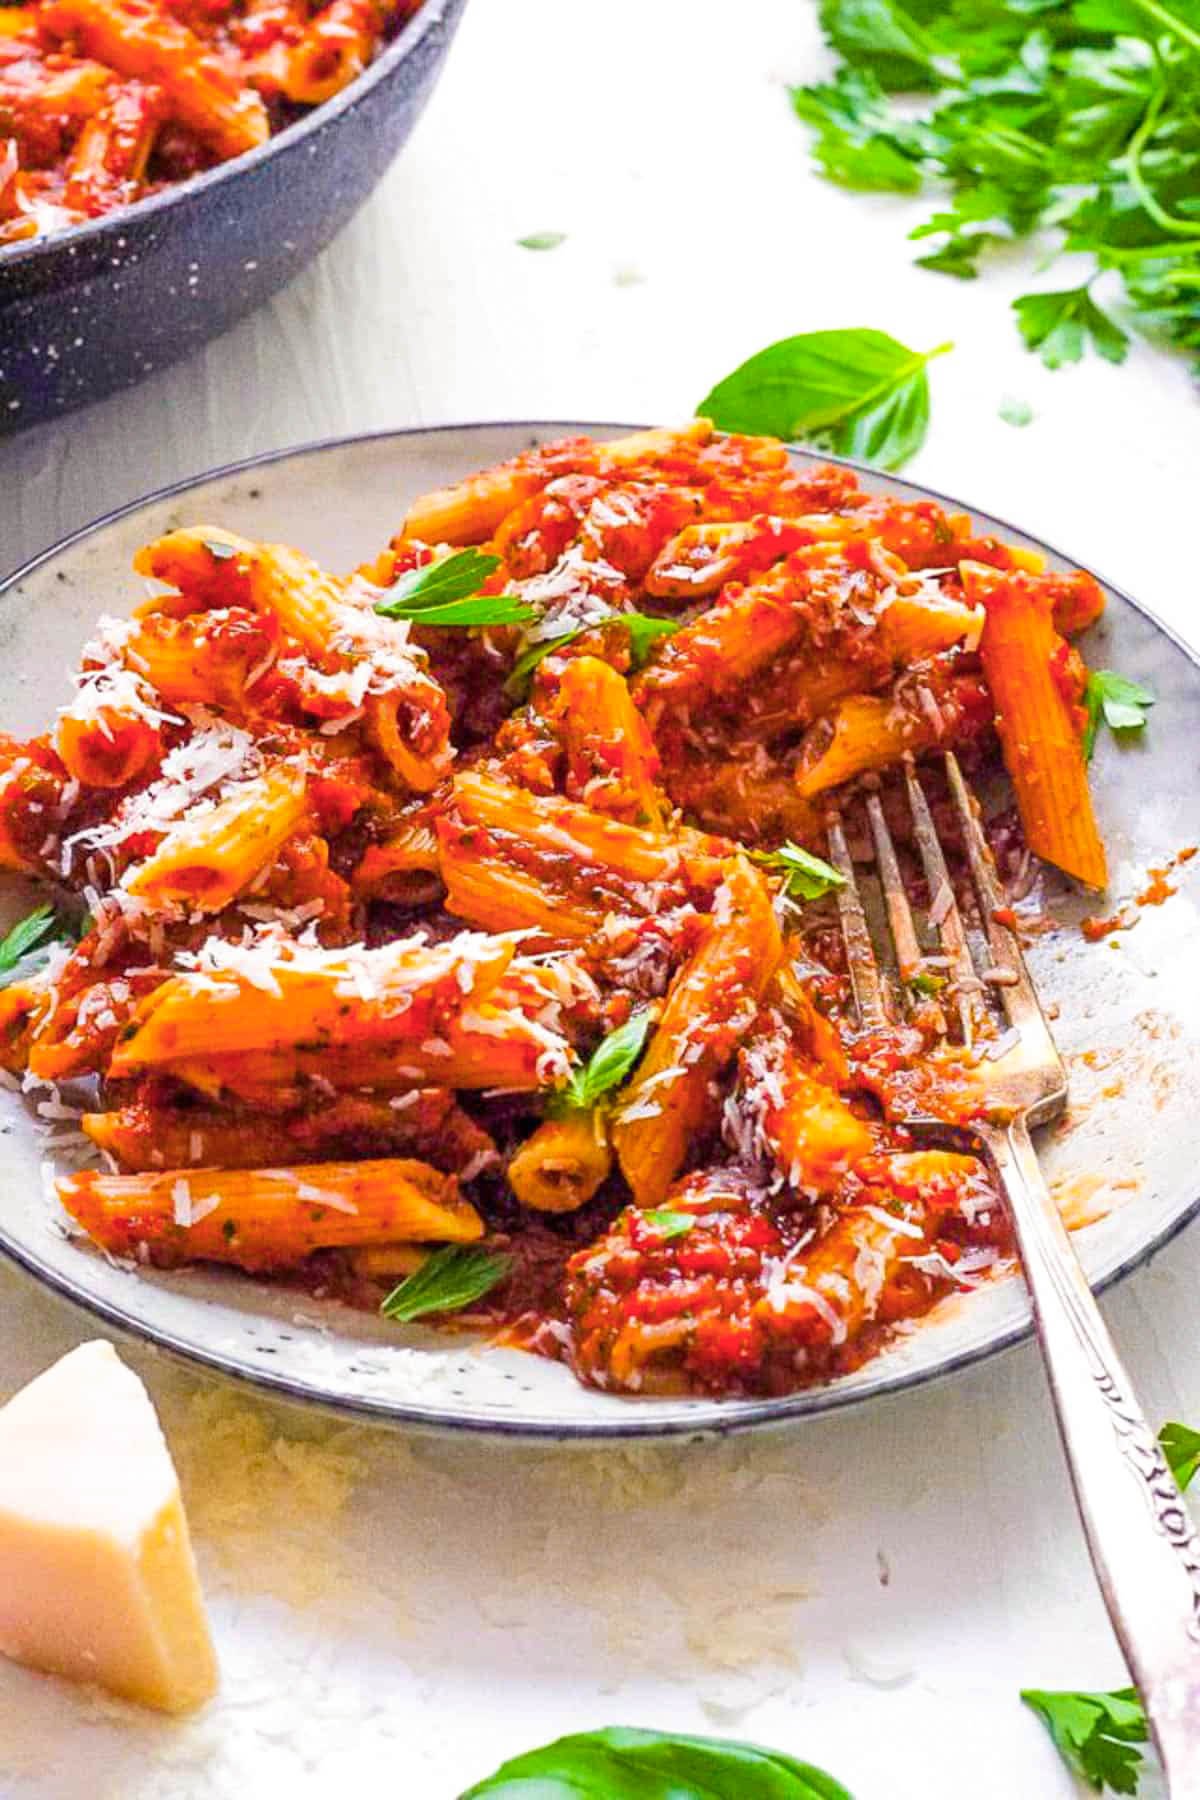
point(1005, 975)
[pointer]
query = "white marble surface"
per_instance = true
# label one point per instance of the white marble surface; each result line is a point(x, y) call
point(868, 1592)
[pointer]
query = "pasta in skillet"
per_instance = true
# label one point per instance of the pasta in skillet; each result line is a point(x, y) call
point(103, 102)
point(465, 913)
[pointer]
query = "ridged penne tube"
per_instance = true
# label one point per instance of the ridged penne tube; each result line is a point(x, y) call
point(471, 510)
point(710, 1004)
point(208, 658)
point(270, 998)
point(336, 47)
point(110, 733)
point(871, 731)
point(562, 1165)
point(207, 861)
point(700, 559)
point(267, 1218)
point(153, 47)
point(497, 896)
point(812, 1133)
point(563, 829)
point(387, 870)
point(219, 568)
point(744, 632)
point(612, 764)
point(425, 1123)
point(1040, 732)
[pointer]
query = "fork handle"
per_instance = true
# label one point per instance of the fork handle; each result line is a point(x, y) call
point(1143, 1546)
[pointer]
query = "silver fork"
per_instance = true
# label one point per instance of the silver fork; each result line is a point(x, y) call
point(1144, 1549)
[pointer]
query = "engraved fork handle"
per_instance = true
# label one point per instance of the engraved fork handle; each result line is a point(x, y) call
point(1144, 1549)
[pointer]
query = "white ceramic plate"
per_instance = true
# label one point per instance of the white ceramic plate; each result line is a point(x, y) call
point(1128, 1024)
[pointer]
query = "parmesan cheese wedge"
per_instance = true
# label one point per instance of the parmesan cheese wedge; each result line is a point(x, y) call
point(97, 1578)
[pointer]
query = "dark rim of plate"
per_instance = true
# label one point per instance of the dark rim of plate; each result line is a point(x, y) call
point(702, 1419)
point(182, 193)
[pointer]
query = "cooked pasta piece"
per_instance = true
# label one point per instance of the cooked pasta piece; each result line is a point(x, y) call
point(211, 858)
point(611, 762)
point(267, 1218)
point(564, 1163)
point(870, 731)
point(1040, 720)
point(711, 1003)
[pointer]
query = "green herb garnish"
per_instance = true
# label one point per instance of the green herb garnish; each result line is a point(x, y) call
point(1076, 117)
point(1095, 1734)
point(926, 984)
point(668, 1223)
point(859, 392)
point(450, 1279)
point(543, 240)
point(806, 877)
point(447, 593)
point(1121, 703)
point(605, 1069)
point(1016, 412)
point(1181, 1447)
point(27, 946)
point(644, 632)
point(619, 1763)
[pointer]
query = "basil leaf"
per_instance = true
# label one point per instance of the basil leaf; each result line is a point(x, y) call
point(1181, 1447)
point(607, 1066)
point(620, 1763)
point(543, 240)
point(450, 1279)
point(26, 947)
point(1059, 325)
point(1095, 1734)
point(807, 877)
point(453, 577)
point(668, 1223)
point(1121, 703)
point(520, 675)
point(865, 391)
point(485, 609)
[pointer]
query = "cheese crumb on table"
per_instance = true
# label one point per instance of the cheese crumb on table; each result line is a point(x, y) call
point(97, 1577)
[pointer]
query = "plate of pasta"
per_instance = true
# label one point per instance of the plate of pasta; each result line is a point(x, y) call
point(423, 995)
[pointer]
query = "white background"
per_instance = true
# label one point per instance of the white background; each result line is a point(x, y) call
point(444, 1605)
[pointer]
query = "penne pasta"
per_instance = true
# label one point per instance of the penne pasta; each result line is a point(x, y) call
point(563, 1165)
point(208, 860)
point(267, 1218)
point(1039, 723)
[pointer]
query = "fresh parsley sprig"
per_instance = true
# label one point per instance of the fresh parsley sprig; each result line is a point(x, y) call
point(447, 593)
point(1097, 1734)
point(1121, 703)
point(857, 391)
point(25, 949)
point(1076, 117)
point(451, 1278)
point(607, 1067)
point(806, 877)
point(668, 1223)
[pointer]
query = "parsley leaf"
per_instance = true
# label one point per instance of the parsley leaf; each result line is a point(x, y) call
point(446, 592)
point(1121, 703)
point(606, 1068)
point(620, 1763)
point(453, 1277)
point(807, 877)
point(26, 947)
point(926, 983)
point(1095, 1734)
point(543, 240)
point(1059, 325)
point(1074, 120)
point(1015, 412)
point(860, 390)
point(1181, 1447)
point(668, 1223)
